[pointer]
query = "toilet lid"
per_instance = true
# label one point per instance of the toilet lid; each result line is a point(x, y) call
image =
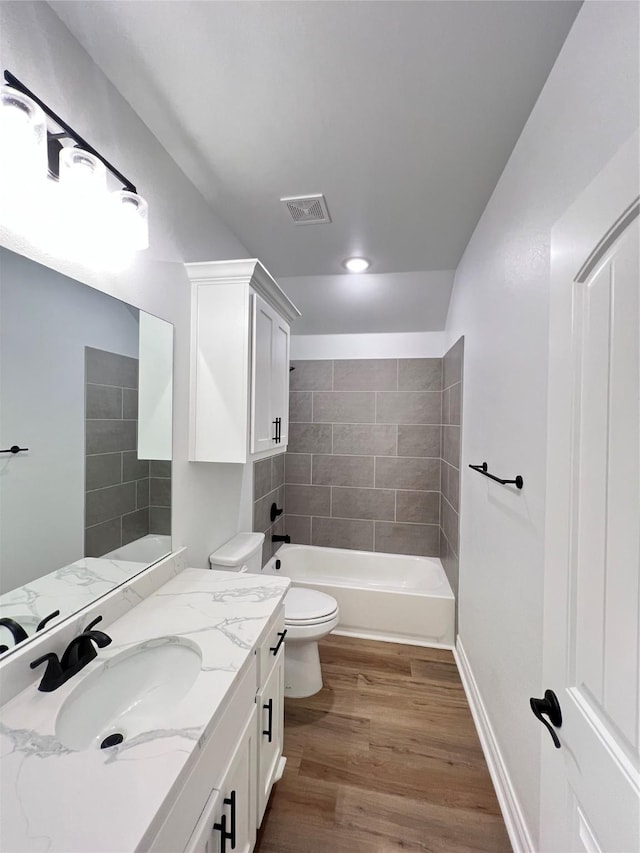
point(306, 605)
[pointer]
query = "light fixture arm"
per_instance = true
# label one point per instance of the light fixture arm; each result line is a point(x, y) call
point(68, 130)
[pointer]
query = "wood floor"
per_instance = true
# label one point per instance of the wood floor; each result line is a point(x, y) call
point(384, 758)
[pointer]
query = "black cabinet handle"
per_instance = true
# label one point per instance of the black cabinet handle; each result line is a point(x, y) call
point(231, 801)
point(222, 829)
point(275, 649)
point(269, 708)
point(551, 707)
point(222, 826)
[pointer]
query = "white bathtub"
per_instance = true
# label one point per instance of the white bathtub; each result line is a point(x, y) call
point(381, 596)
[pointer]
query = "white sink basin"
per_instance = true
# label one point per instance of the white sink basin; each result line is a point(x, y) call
point(129, 694)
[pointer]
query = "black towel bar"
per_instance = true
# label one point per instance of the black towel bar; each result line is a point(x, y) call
point(482, 469)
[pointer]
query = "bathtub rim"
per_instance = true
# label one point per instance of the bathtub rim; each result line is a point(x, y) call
point(446, 593)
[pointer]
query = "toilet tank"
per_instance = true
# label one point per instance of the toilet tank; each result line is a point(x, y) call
point(245, 549)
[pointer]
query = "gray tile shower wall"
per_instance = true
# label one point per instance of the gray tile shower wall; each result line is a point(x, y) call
point(125, 497)
point(452, 374)
point(363, 464)
point(268, 489)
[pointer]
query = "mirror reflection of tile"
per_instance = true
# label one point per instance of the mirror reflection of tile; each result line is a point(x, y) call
point(126, 497)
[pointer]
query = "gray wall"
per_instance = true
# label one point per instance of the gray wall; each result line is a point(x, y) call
point(362, 469)
point(450, 464)
point(126, 497)
point(268, 488)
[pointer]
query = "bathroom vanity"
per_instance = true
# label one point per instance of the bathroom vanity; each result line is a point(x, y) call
point(190, 691)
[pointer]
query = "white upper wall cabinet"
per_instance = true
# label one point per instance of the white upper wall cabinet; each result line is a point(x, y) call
point(239, 397)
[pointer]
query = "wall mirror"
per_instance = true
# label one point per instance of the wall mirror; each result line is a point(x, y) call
point(86, 393)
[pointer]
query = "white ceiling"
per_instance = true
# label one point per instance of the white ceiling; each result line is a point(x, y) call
point(402, 113)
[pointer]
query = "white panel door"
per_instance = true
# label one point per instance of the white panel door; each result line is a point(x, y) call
point(264, 324)
point(280, 380)
point(590, 794)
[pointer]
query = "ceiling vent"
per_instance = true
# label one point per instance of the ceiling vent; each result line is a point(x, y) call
point(307, 209)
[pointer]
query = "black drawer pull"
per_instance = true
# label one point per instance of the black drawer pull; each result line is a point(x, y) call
point(275, 649)
point(222, 826)
point(269, 708)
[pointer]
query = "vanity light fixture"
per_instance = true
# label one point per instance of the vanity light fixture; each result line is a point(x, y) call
point(357, 264)
point(75, 188)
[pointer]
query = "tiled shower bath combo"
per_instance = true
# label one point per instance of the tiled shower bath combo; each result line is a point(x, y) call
point(125, 497)
point(373, 457)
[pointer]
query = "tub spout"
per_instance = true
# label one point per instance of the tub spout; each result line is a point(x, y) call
point(277, 538)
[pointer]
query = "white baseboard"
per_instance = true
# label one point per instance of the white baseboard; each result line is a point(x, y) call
point(392, 638)
point(515, 823)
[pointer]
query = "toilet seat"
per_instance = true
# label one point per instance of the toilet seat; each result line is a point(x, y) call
point(308, 607)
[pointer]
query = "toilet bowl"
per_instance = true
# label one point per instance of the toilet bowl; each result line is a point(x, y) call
point(309, 615)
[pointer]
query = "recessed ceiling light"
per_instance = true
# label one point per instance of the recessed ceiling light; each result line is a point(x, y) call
point(357, 264)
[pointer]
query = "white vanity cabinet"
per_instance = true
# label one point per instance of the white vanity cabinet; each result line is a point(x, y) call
point(222, 801)
point(239, 400)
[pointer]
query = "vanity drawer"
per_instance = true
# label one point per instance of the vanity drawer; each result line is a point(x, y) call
point(185, 809)
point(271, 645)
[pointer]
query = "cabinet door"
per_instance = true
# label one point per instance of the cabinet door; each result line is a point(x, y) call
point(280, 379)
point(228, 822)
point(204, 840)
point(262, 428)
point(270, 702)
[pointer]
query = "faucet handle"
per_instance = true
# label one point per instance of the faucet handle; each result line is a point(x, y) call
point(53, 674)
point(46, 619)
point(91, 625)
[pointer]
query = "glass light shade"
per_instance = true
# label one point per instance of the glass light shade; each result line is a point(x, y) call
point(131, 220)
point(82, 173)
point(23, 153)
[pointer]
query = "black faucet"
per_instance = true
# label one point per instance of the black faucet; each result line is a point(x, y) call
point(77, 655)
point(277, 538)
point(19, 634)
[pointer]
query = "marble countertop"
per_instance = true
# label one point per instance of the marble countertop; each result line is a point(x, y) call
point(104, 801)
point(68, 589)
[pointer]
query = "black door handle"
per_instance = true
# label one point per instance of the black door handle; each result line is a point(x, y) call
point(551, 707)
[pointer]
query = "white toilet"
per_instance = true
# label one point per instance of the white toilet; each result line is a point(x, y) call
point(309, 615)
